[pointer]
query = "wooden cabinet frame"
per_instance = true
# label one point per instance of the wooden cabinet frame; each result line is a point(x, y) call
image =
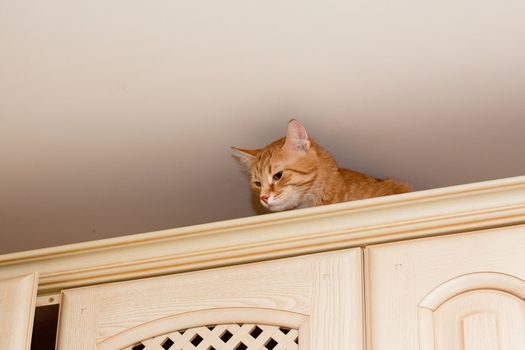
point(456, 292)
point(458, 209)
point(17, 309)
point(434, 212)
point(319, 296)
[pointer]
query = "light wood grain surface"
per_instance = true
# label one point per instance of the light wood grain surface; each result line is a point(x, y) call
point(426, 213)
point(325, 288)
point(17, 308)
point(461, 292)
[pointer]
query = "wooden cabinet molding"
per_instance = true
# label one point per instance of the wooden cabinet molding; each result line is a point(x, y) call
point(419, 214)
point(473, 281)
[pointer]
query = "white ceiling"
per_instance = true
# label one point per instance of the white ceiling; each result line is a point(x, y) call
point(117, 117)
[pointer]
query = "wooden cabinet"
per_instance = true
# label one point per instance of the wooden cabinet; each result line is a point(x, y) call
point(460, 292)
point(434, 270)
point(17, 307)
point(310, 302)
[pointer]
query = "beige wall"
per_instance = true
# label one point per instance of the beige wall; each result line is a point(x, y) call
point(116, 116)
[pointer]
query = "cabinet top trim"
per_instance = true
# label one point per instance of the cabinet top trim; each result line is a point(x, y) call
point(412, 215)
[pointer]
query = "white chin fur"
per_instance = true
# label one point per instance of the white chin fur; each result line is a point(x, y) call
point(277, 207)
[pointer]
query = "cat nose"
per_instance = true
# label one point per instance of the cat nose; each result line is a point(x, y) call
point(264, 198)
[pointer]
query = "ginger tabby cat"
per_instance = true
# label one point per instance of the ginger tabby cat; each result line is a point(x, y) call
point(295, 172)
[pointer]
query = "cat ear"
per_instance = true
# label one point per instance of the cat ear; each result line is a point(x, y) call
point(296, 137)
point(246, 156)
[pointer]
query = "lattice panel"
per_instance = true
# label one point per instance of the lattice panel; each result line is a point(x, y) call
point(224, 337)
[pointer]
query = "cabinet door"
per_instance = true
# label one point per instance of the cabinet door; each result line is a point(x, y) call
point(310, 302)
point(460, 292)
point(17, 309)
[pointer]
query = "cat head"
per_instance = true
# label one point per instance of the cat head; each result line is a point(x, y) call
point(284, 172)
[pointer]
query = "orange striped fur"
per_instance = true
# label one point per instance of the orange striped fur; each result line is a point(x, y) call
point(295, 172)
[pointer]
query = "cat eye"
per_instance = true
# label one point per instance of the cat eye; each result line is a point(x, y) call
point(277, 176)
point(257, 184)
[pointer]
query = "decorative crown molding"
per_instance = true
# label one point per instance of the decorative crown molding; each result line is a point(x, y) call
point(434, 212)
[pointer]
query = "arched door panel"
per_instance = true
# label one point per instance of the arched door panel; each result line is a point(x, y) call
point(304, 303)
